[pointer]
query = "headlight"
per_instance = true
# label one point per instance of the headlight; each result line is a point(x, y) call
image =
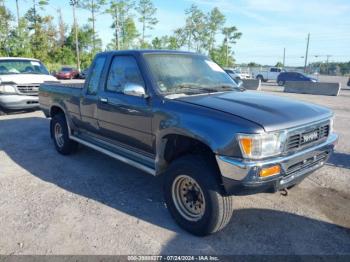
point(7, 89)
point(257, 146)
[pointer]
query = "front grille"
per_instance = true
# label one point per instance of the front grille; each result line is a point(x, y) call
point(28, 89)
point(306, 164)
point(296, 141)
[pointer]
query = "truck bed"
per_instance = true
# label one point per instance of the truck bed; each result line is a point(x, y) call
point(67, 95)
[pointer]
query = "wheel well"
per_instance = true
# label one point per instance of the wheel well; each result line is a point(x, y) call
point(56, 110)
point(179, 145)
point(259, 76)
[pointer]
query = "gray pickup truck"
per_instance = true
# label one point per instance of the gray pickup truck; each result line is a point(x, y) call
point(179, 115)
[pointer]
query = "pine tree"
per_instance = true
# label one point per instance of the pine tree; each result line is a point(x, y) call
point(147, 18)
point(94, 7)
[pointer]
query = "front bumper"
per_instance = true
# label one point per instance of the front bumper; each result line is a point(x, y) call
point(16, 102)
point(241, 177)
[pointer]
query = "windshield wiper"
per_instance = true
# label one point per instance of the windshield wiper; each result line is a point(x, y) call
point(185, 86)
point(197, 88)
point(229, 87)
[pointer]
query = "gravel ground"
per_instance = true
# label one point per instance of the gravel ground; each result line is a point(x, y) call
point(88, 203)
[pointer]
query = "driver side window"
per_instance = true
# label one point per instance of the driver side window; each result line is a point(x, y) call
point(124, 70)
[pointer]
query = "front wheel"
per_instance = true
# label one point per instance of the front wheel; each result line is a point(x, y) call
point(194, 197)
point(280, 83)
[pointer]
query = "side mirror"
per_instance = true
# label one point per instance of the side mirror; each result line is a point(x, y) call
point(133, 89)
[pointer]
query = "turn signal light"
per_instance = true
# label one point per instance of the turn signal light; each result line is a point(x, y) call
point(247, 145)
point(270, 171)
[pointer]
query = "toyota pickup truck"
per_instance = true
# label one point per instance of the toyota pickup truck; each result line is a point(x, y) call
point(180, 116)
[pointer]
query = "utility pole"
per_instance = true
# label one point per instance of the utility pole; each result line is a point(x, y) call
point(307, 52)
point(17, 9)
point(74, 3)
point(327, 61)
point(284, 56)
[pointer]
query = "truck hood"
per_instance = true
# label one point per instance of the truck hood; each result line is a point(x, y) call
point(270, 112)
point(20, 79)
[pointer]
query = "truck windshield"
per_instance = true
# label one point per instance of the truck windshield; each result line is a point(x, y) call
point(189, 74)
point(14, 66)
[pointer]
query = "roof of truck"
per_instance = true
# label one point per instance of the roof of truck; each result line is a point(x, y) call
point(149, 51)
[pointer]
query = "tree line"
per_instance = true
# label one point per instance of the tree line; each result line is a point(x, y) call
point(56, 43)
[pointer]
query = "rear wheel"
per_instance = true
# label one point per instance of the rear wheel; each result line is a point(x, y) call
point(60, 135)
point(260, 77)
point(2, 111)
point(194, 197)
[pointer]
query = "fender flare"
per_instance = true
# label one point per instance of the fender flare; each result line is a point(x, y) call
point(161, 141)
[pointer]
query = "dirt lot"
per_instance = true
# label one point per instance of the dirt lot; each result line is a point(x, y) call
point(88, 203)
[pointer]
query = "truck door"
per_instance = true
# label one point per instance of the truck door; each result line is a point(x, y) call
point(89, 99)
point(124, 118)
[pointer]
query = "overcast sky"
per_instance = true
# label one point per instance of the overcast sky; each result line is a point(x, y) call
point(268, 26)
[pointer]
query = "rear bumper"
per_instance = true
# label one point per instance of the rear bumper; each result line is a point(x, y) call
point(242, 177)
point(73, 76)
point(64, 77)
point(14, 102)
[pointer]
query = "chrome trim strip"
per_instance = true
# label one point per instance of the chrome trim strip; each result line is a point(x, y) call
point(118, 147)
point(289, 178)
point(238, 169)
point(309, 125)
point(115, 156)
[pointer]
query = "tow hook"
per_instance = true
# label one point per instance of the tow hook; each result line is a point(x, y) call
point(284, 192)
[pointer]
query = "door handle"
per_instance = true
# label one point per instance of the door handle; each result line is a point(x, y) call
point(103, 100)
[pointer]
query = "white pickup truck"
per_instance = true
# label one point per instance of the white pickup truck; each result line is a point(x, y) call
point(266, 75)
point(20, 79)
